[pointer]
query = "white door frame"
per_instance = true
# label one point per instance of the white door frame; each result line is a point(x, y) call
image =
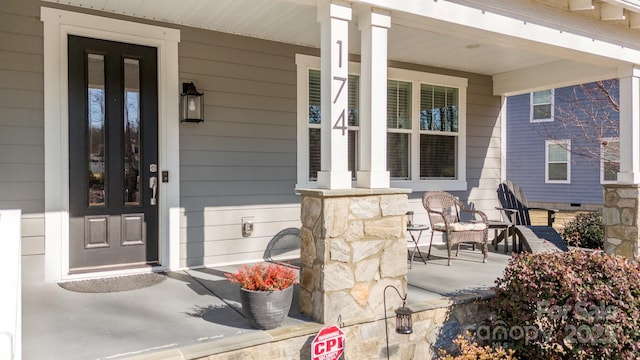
point(58, 24)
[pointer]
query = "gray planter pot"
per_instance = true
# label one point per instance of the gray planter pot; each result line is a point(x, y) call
point(266, 309)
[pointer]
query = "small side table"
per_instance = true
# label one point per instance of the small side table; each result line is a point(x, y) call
point(416, 229)
point(497, 225)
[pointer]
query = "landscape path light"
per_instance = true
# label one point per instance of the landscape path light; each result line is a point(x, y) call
point(404, 322)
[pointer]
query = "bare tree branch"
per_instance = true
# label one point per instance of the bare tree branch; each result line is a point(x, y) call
point(587, 116)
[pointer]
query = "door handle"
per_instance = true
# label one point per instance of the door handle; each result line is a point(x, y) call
point(153, 185)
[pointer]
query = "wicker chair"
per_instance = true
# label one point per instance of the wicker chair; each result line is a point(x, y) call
point(444, 210)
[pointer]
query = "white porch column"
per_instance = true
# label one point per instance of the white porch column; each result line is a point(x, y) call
point(629, 125)
point(334, 95)
point(621, 210)
point(372, 172)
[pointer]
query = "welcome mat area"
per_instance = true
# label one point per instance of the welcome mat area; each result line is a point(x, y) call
point(114, 284)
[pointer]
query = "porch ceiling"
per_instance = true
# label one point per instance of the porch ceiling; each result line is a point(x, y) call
point(412, 38)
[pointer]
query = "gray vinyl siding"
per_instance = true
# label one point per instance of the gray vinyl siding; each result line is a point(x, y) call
point(22, 119)
point(483, 146)
point(526, 160)
point(241, 162)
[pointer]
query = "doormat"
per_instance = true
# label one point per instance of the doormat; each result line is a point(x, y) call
point(114, 284)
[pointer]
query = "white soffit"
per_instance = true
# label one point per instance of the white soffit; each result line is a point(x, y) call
point(285, 21)
point(412, 39)
point(466, 54)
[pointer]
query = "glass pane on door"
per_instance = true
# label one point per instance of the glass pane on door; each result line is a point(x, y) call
point(97, 130)
point(131, 134)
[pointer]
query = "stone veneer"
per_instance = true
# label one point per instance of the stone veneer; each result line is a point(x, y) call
point(435, 324)
point(353, 244)
point(621, 219)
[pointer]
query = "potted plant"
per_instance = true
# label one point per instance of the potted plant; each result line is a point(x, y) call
point(266, 292)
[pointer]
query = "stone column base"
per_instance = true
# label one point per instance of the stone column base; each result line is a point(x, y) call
point(620, 217)
point(353, 244)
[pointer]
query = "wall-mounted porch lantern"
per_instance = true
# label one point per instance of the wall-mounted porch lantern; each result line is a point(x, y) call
point(404, 323)
point(192, 104)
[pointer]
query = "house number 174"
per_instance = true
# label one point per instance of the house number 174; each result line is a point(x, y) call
point(341, 122)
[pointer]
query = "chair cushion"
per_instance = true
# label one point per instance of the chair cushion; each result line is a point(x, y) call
point(461, 226)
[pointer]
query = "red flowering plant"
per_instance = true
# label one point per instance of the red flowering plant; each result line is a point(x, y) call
point(262, 277)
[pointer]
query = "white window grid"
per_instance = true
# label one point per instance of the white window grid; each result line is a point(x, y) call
point(532, 105)
point(305, 62)
point(566, 145)
point(606, 157)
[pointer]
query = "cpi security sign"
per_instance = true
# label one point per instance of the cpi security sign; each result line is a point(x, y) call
point(328, 344)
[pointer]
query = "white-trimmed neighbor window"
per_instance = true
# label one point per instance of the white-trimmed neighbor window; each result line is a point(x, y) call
point(558, 161)
point(426, 117)
point(542, 106)
point(609, 160)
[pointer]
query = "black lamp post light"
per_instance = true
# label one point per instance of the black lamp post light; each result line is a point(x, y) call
point(192, 104)
point(404, 322)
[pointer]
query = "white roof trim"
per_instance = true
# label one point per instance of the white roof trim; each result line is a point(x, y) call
point(631, 5)
point(564, 41)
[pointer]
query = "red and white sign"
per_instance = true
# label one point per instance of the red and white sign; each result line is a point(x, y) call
point(328, 344)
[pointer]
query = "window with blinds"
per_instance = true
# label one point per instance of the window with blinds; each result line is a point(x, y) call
point(315, 121)
point(438, 108)
point(425, 130)
point(398, 129)
point(439, 124)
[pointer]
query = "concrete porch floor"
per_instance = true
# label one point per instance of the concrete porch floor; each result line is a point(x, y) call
point(194, 313)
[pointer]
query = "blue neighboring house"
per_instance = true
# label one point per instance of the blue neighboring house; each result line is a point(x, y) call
point(563, 144)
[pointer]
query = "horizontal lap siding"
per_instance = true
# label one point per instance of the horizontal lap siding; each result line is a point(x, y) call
point(241, 162)
point(22, 119)
point(526, 159)
point(483, 145)
point(220, 226)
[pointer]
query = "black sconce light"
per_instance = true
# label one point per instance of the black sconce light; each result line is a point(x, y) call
point(192, 105)
point(404, 323)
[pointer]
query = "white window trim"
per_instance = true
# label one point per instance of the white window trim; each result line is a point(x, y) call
point(566, 143)
point(553, 101)
point(602, 180)
point(306, 62)
point(58, 24)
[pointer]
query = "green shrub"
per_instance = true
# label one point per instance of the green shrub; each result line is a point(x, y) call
point(473, 351)
point(573, 305)
point(586, 231)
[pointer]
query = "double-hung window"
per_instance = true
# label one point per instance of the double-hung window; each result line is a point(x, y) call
point(399, 129)
point(609, 160)
point(314, 121)
point(426, 116)
point(558, 161)
point(542, 103)
point(439, 131)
